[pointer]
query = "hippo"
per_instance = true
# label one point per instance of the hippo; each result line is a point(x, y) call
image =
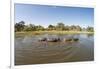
point(58, 39)
point(75, 39)
point(53, 39)
point(43, 39)
point(67, 39)
point(70, 39)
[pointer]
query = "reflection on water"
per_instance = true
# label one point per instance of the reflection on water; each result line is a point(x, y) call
point(28, 50)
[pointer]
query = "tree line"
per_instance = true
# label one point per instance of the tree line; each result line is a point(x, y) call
point(20, 26)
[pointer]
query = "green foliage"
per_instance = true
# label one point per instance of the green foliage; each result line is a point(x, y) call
point(19, 26)
point(51, 27)
point(39, 28)
point(59, 27)
point(90, 29)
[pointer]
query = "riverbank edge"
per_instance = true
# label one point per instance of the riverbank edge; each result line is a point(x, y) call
point(51, 32)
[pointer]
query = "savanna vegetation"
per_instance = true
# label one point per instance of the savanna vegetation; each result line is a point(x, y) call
point(59, 28)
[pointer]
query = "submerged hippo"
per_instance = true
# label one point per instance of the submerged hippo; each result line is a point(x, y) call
point(58, 39)
point(70, 39)
point(53, 39)
point(67, 39)
point(42, 39)
point(75, 39)
point(50, 39)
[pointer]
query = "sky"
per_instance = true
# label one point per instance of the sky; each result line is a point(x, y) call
point(45, 15)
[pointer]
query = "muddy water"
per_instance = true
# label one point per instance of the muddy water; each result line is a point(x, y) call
point(28, 50)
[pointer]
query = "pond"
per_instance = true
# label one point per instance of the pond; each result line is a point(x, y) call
point(28, 50)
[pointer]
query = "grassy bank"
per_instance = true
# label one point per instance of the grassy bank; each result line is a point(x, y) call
point(51, 32)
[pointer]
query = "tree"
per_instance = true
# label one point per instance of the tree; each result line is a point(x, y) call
point(19, 26)
point(90, 29)
point(32, 27)
point(27, 28)
point(39, 27)
point(51, 27)
point(67, 28)
point(73, 27)
point(78, 28)
point(60, 26)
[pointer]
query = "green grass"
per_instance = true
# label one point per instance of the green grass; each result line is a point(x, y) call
point(30, 33)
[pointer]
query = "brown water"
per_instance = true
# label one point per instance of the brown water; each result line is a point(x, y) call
point(28, 50)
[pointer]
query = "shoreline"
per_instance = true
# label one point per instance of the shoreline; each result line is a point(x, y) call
point(52, 32)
